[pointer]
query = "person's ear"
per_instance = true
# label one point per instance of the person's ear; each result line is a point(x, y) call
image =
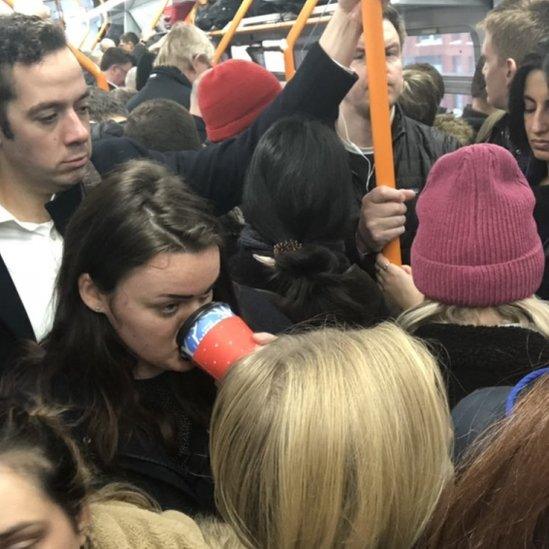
point(510, 70)
point(91, 295)
point(201, 63)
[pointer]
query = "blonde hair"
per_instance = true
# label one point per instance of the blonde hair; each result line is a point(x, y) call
point(517, 28)
point(183, 44)
point(532, 313)
point(217, 534)
point(332, 438)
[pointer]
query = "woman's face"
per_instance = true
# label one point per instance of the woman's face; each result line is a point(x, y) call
point(536, 114)
point(30, 518)
point(149, 306)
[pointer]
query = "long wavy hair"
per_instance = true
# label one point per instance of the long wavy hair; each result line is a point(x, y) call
point(332, 439)
point(137, 213)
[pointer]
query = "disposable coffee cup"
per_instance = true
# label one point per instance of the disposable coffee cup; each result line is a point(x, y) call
point(214, 338)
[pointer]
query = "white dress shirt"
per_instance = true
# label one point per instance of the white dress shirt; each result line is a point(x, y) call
point(32, 253)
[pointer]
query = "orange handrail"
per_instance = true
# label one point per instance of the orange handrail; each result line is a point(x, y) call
point(294, 34)
point(9, 3)
point(91, 67)
point(228, 36)
point(372, 20)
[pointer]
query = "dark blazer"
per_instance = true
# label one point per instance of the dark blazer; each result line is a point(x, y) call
point(14, 321)
point(164, 83)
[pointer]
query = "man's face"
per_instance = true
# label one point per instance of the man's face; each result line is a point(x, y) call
point(358, 95)
point(128, 47)
point(495, 72)
point(117, 74)
point(49, 120)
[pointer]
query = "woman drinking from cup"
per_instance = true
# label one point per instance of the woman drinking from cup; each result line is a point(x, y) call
point(141, 255)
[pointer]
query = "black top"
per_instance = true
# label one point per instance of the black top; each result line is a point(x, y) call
point(164, 83)
point(473, 357)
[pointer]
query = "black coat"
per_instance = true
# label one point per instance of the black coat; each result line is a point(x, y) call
point(416, 147)
point(164, 83)
point(216, 172)
point(473, 357)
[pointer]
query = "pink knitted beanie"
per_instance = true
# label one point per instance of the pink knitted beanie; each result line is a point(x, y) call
point(477, 243)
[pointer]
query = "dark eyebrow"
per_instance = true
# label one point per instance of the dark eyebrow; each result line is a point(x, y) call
point(17, 528)
point(54, 104)
point(182, 296)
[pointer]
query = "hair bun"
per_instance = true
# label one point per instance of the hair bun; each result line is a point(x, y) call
point(309, 261)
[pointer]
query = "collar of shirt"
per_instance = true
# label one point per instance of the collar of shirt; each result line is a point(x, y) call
point(6, 217)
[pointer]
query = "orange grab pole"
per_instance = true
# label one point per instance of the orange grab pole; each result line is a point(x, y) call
point(92, 68)
point(372, 19)
point(9, 3)
point(228, 36)
point(294, 34)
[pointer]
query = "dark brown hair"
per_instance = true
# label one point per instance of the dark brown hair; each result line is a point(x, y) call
point(27, 40)
point(34, 444)
point(501, 494)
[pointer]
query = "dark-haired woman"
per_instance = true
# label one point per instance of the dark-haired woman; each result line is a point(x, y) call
point(141, 254)
point(529, 115)
point(298, 203)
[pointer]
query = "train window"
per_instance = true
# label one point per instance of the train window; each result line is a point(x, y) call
point(453, 55)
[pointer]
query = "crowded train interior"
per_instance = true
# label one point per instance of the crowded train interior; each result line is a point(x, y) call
point(274, 274)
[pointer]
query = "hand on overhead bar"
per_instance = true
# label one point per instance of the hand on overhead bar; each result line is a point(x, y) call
point(341, 34)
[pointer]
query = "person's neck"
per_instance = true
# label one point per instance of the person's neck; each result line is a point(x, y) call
point(352, 125)
point(481, 105)
point(24, 204)
point(144, 370)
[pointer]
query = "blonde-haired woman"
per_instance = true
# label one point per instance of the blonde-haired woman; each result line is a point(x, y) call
point(185, 53)
point(478, 261)
point(331, 439)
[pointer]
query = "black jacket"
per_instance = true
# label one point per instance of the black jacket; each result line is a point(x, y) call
point(216, 173)
point(416, 147)
point(473, 357)
point(164, 83)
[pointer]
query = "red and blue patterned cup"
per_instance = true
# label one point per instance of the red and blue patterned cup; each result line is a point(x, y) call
point(214, 338)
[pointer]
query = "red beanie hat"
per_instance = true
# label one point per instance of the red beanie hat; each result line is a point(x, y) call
point(232, 95)
point(477, 244)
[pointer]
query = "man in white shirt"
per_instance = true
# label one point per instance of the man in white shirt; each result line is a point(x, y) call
point(44, 150)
